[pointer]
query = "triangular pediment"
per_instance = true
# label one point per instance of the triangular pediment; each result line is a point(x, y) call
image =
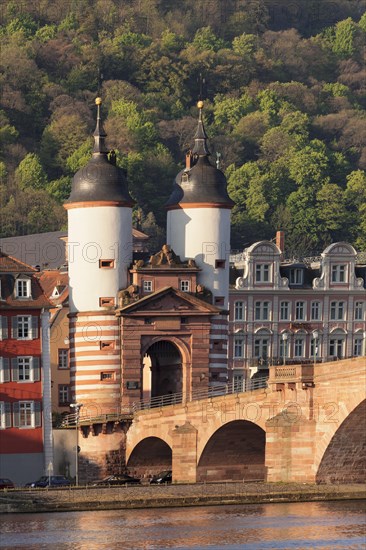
point(170, 301)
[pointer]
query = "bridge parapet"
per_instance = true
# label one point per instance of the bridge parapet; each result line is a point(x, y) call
point(301, 376)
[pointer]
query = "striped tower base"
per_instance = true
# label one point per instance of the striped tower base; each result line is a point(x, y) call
point(95, 362)
point(218, 357)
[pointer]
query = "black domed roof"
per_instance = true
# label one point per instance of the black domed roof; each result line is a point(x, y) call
point(200, 181)
point(100, 180)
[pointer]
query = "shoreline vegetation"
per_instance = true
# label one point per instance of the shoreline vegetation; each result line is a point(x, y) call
point(200, 494)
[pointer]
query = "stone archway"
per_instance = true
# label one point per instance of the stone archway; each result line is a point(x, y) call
point(236, 451)
point(344, 460)
point(151, 456)
point(162, 369)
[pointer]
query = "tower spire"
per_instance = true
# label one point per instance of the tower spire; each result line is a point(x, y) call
point(200, 138)
point(99, 132)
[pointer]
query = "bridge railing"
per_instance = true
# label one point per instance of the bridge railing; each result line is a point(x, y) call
point(206, 393)
point(69, 420)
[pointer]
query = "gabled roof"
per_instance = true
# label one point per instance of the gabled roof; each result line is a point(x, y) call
point(180, 303)
point(8, 264)
point(52, 279)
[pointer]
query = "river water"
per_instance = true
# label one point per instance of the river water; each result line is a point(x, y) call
point(312, 525)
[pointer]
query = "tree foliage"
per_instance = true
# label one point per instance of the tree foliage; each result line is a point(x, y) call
point(284, 109)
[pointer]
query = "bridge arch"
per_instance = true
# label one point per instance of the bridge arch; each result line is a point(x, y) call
point(344, 459)
point(150, 456)
point(236, 451)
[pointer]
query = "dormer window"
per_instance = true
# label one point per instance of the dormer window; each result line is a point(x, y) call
point(23, 288)
point(338, 273)
point(296, 276)
point(262, 273)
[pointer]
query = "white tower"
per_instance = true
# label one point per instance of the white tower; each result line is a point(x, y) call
point(100, 252)
point(198, 227)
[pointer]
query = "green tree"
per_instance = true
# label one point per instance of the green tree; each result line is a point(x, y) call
point(30, 173)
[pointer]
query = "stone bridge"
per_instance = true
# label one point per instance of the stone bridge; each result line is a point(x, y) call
point(308, 425)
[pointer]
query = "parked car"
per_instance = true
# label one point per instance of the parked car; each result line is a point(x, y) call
point(50, 481)
point(163, 477)
point(120, 479)
point(6, 483)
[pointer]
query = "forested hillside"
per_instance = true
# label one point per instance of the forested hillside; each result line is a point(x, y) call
point(284, 91)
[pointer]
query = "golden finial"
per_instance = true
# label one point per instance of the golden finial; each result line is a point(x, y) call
point(98, 101)
point(200, 104)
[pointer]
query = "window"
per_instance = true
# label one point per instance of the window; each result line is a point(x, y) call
point(315, 311)
point(284, 311)
point(4, 370)
point(63, 359)
point(359, 311)
point(147, 286)
point(238, 347)
point(5, 415)
point(220, 264)
point(336, 346)
point(239, 311)
point(357, 346)
point(25, 327)
point(283, 347)
point(261, 311)
point(338, 273)
point(300, 311)
point(184, 286)
point(23, 288)
point(296, 276)
point(314, 348)
point(27, 414)
point(107, 376)
point(337, 311)
point(238, 382)
point(299, 347)
point(261, 349)
point(25, 369)
point(63, 394)
point(106, 345)
point(3, 327)
point(106, 264)
point(262, 273)
point(219, 300)
point(106, 301)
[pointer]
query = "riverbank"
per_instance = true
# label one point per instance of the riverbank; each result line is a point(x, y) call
point(114, 498)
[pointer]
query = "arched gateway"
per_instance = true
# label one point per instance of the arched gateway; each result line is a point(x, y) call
point(162, 370)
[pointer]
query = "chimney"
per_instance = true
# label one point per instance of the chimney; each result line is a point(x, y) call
point(280, 241)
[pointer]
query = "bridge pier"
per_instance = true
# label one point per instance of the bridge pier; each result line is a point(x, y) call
point(184, 459)
point(290, 448)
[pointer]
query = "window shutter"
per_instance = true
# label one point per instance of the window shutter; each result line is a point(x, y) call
point(14, 327)
point(36, 369)
point(14, 369)
point(5, 369)
point(34, 327)
point(7, 407)
point(16, 419)
point(3, 327)
point(37, 414)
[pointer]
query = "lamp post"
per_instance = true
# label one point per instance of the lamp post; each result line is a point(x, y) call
point(315, 337)
point(284, 339)
point(77, 407)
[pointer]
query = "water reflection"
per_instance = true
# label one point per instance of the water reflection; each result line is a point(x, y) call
point(331, 525)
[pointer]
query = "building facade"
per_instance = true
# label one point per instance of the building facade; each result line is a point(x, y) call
point(284, 312)
point(25, 402)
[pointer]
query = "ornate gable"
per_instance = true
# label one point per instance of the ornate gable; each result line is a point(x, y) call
point(168, 301)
